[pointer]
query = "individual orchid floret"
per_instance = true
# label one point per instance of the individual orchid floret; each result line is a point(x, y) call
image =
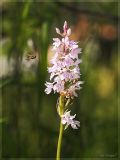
point(67, 120)
point(49, 87)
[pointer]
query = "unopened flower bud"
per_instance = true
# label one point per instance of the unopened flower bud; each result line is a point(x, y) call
point(65, 27)
point(57, 31)
point(69, 32)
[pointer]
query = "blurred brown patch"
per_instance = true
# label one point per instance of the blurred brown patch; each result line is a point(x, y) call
point(80, 30)
point(108, 31)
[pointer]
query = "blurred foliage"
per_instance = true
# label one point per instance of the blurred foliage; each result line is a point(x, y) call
point(28, 118)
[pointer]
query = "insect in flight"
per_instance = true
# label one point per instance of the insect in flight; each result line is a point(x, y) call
point(31, 55)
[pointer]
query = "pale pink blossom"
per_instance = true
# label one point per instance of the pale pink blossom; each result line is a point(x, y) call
point(67, 120)
point(49, 87)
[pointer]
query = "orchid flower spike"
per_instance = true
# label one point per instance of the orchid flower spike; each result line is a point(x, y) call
point(64, 70)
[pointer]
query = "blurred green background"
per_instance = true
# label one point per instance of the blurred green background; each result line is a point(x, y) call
point(29, 121)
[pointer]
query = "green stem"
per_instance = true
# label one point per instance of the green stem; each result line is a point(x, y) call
point(61, 107)
point(59, 142)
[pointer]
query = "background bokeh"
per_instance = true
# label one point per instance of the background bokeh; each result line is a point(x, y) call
point(29, 121)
